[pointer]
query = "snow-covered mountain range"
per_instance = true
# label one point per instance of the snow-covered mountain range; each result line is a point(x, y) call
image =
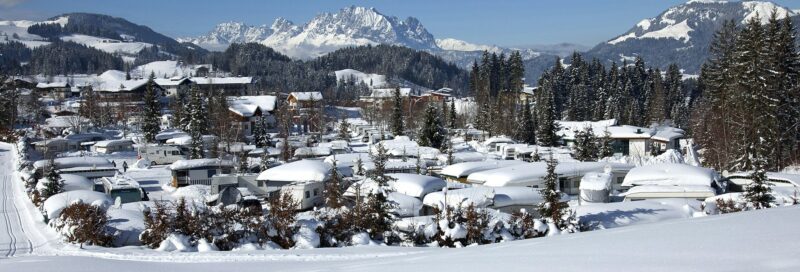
point(350, 26)
point(682, 34)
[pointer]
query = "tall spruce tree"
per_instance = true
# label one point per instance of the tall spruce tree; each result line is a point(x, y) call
point(552, 209)
point(152, 111)
point(546, 126)
point(432, 132)
point(758, 192)
point(398, 128)
point(379, 218)
point(197, 124)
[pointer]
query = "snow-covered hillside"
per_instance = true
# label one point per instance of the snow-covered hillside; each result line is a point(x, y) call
point(18, 31)
point(683, 33)
point(371, 80)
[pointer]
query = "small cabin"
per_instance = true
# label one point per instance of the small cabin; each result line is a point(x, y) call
point(88, 167)
point(198, 171)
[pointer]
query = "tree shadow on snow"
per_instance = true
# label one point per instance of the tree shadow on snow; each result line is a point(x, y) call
point(609, 219)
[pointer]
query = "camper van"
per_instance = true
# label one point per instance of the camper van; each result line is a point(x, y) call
point(162, 154)
point(111, 146)
point(303, 179)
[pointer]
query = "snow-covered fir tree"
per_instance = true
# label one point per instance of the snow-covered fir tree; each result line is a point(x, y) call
point(432, 132)
point(398, 128)
point(758, 192)
point(585, 148)
point(197, 124)
point(152, 111)
point(552, 208)
point(526, 126)
point(344, 130)
point(379, 218)
point(333, 188)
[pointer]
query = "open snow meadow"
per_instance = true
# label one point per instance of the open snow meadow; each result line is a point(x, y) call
point(409, 136)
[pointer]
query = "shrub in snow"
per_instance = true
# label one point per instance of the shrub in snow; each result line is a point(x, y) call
point(282, 219)
point(728, 205)
point(83, 224)
point(757, 193)
point(522, 225)
point(53, 182)
point(464, 226)
point(335, 226)
point(157, 225)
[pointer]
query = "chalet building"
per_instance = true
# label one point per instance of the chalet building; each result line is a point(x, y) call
point(304, 100)
point(175, 85)
point(627, 140)
point(55, 90)
point(230, 86)
point(247, 110)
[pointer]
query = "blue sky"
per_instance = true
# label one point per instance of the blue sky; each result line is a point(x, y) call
point(503, 22)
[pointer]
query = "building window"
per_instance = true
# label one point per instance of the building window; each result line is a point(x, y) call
point(260, 183)
point(308, 194)
point(316, 192)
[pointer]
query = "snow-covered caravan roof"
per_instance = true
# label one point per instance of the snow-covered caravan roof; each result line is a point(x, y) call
point(596, 181)
point(498, 139)
point(312, 151)
point(56, 203)
point(510, 196)
point(567, 129)
point(72, 162)
point(187, 140)
point(119, 182)
point(306, 96)
point(405, 205)
point(348, 159)
point(199, 163)
point(467, 168)
point(221, 80)
point(71, 183)
point(480, 196)
point(64, 121)
point(169, 134)
point(670, 174)
point(416, 185)
point(247, 105)
point(670, 189)
point(394, 165)
point(463, 157)
point(667, 133)
point(299, 171)
point(628, 132)
point(532, 173)
point(109, 143)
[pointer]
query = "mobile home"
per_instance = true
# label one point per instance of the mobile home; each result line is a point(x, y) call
point(303, 179)
point(198, 171)
point(124, 187)
point(111, 146)
point(162, 154)
point(458, 172)
point(532, 174)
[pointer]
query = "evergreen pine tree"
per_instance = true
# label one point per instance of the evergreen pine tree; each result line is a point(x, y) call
point(152, 111)
point(432, 132)
point(333, 188)
point(379, 218)
point(344, 130)
point(585, 145)
point(552, 209)
point(546, 126)
point(397, 114)
point(758, 193)
point(196, 124)
point(54, 183)
point(604, 145)
point(453, 120)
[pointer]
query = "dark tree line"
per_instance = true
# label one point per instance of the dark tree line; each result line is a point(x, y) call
point(750, 110)
point(63, 58)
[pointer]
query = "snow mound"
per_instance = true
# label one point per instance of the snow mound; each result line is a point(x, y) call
point(56, 203)
point(175, 243)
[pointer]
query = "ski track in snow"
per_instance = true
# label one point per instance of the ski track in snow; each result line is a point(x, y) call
point(15, 240)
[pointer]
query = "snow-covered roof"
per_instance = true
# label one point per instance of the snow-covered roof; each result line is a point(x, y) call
point(567, 129)
point(416, 185)
point(306, 96)
point(533, 173)
point(670, 174)
point(198, 163)
point(72, 162)
point(348, 159)
point(247, 105)
point(404, 146)
point(120, 182)
point(299, 171)
point(169, 134)
point(498, 139)
point(173, 81)
point(467, 168)
point(312, 151)
point(596, 181)
point(64, 121)
point(460, 157)
point(405, 205)
point(221, 80)
point(480, 196)
point(510, 196)
point(670, 189)
point(108, 143)
point(187, 140)
point(56, 203)
point(71, 183)
point(57, 84)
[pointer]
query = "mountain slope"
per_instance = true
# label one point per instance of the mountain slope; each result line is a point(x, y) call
point(682, 34)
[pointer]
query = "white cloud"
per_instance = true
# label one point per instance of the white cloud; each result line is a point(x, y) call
point(10, 3)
